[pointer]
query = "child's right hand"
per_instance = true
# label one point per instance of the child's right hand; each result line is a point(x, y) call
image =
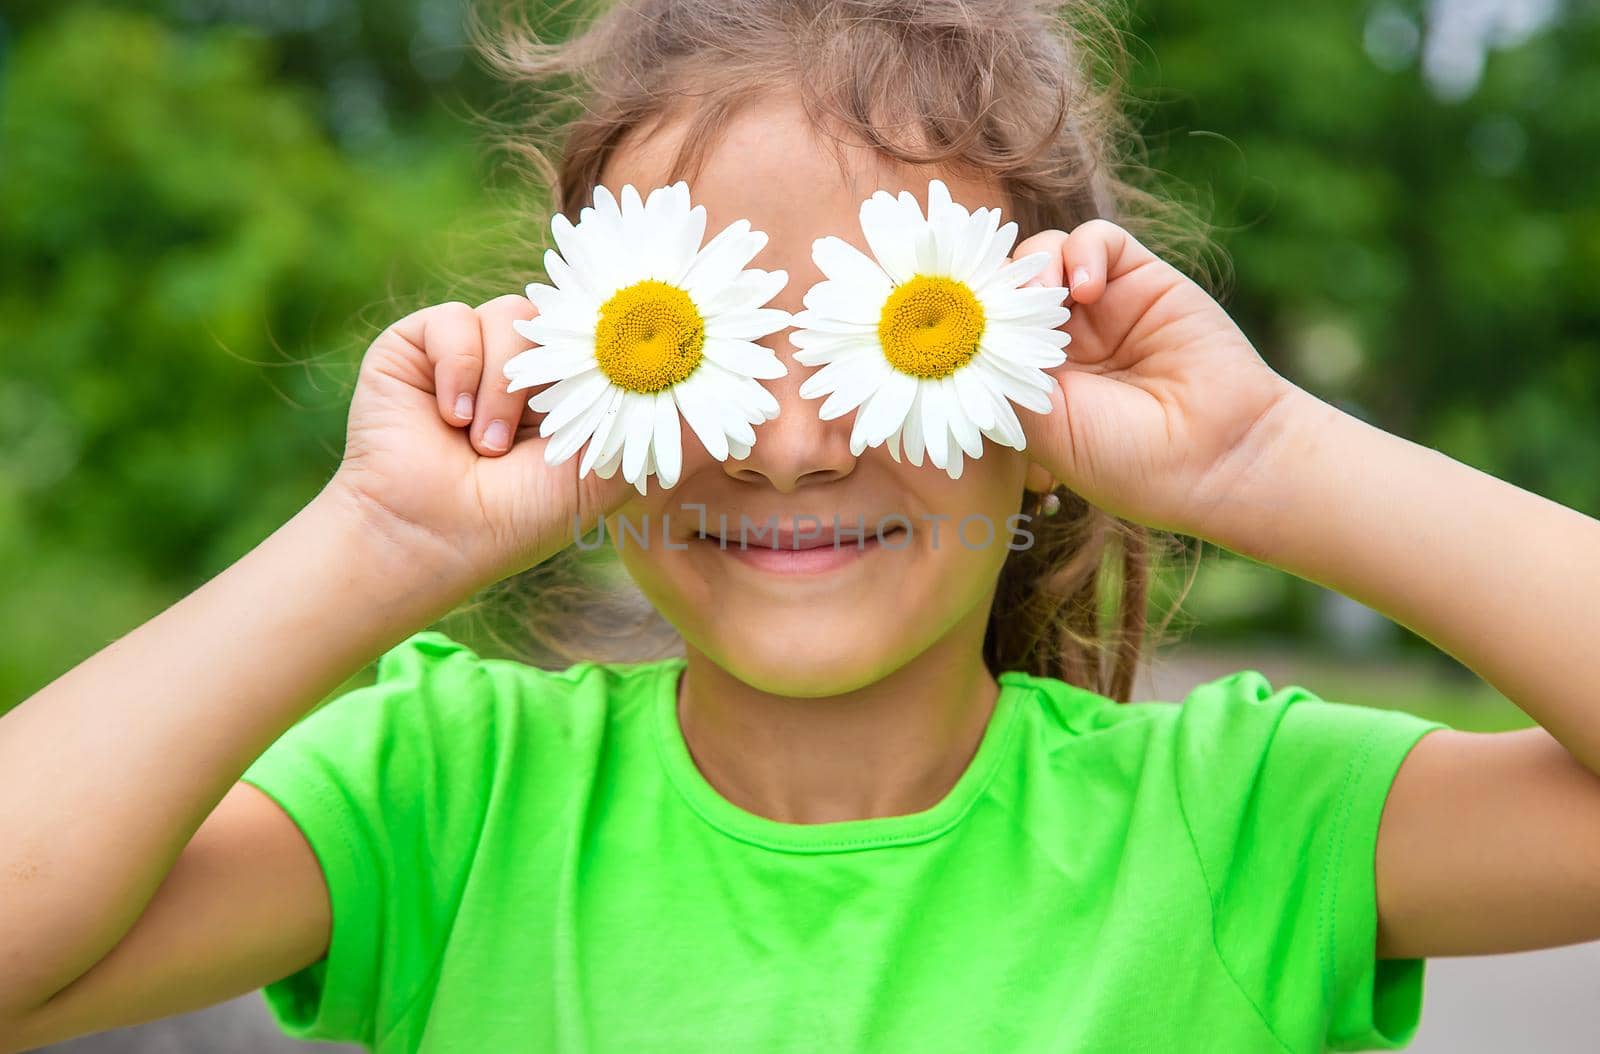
point(446, 458)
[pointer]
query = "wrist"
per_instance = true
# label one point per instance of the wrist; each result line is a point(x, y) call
point(1260, 495)
point(406, 563)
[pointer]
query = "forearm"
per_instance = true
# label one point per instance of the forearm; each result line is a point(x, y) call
point(1500, 578)
point(107, 772)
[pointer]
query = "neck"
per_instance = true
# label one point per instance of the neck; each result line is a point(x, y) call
point(895, 746)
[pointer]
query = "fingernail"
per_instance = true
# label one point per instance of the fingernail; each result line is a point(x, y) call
point(497, 436)
point(464, 406)
point(1080, 276)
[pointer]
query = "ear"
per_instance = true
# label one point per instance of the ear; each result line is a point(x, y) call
point(1038, 480)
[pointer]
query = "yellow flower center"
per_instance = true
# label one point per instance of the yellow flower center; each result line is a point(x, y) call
point(930, 327)
point(649, 337)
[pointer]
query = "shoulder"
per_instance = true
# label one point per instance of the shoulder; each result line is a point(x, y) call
point(514, 700)
point(1241, 710)
point(1228, 741)
point(437, 701)
point(433, 662)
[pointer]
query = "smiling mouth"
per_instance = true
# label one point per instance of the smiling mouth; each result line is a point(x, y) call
point(826, 537)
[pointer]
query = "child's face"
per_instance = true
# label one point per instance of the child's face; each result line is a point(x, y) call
point(836, 618)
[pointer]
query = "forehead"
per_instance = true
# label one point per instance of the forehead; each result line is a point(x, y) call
point(770, 165)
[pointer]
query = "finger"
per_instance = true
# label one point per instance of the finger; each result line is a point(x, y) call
point(1098, 252)
point(448, 335)
point(499, 412)
point(1051, 242)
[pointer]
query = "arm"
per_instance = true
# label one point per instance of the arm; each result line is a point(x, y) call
point(109, 771)
point(117, 904)
point(1165, 414)
point(1488, 842)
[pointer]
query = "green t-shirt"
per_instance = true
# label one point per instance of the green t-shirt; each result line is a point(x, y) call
point(527, 860)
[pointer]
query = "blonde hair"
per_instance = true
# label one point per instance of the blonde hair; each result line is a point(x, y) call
point(1023, 93)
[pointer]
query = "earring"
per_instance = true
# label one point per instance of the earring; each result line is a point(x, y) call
point(1050, 504)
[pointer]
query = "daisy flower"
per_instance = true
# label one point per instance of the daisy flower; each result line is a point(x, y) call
point(930, 339)
point(644, 324)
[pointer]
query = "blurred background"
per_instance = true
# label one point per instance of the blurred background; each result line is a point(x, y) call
point(209, 207)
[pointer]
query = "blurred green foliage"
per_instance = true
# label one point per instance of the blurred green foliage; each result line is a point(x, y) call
point(207, 207)
point(1427, 257)
point(190, 260)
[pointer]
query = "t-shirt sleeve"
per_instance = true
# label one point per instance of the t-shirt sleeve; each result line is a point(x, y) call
point(1283, 793)
point(388, 785)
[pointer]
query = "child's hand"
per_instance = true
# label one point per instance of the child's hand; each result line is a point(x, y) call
point(1156, 407)
point(442, 453)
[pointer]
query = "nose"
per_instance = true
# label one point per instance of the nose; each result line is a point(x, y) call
point(797, 447)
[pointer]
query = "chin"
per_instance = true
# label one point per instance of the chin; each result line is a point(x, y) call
point(805, 660)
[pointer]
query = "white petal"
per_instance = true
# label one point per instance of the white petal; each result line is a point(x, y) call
point(751, 289)
point(668, 448)
point(994, 255)
point(692, 399)
point(641, 428)
point(1022, 348)
point(580, 256)
point(816, 349)
point(566, 441)
point(607, 467)
point(962, 427)
point(605, 203)
point(912, 436)
point(953, 466)
point(632, 205)
point(1007, 431)
point(573, 308)
point(569, 400)
point(839, 371)
point(846, 303)
point(564, 278)
point(812, 322)
point(1022, 303)
point(925, 249)
point(1022, 375)
point(546, 329)
point(854, 389)
point(941, 208)
point(738, 394)
point(973, 397)
point(843, 263)
point(858, 436)
point(935, 430)
point(1009, 386)
point(612, 404)
point(947, 224)
point(886, 410)
point(723, 257)
point(749, 325)
point(617, 436)
point(562, 390)
point(1015, 273)
point(542, 365)
point(980, 231)
point(741, 356)
point(891, 235)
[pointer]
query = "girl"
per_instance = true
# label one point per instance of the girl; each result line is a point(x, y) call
point(883, 801)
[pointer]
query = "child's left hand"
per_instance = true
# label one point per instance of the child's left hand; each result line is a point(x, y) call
point(1156, 411)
